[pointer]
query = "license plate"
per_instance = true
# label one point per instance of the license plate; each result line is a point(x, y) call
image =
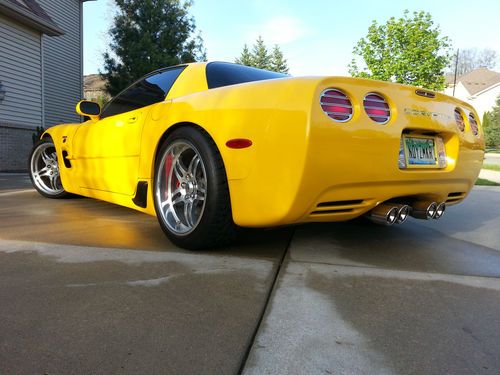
point(421, 152)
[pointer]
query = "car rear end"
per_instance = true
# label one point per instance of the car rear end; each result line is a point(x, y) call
point(374, 144)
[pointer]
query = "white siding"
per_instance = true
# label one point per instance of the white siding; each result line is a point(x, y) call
point(460, 92)
point(20, 74)
point(482, 102)
point(485, 101)
point(62, 63)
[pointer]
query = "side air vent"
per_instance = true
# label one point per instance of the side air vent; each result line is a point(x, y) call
point(67, 163)
point(336, 105)
point(376, 108)
point(473, 124)
point(459, 119)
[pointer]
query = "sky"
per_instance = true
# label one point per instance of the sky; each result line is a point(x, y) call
point(316, 36)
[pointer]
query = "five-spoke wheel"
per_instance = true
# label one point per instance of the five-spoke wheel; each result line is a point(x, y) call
point(181, 187)
point(44, 170)
point(190, 191)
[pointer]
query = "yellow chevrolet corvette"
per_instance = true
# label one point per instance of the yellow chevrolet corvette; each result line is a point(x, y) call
point(210, 147)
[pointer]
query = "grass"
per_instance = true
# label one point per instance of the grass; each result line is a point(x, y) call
point(491, 167)
point(485, 182)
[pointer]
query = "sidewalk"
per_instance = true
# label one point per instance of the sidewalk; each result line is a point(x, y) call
point(491, 158)
point(490, 175)
point(492, 155)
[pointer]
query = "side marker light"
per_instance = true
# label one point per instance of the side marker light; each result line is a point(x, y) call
point(238, 143)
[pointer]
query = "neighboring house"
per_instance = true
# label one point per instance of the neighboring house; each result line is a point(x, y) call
point(480, 88)
point(40, 71)
point(94, 88)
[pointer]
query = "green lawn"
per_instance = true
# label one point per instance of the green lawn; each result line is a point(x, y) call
point(484, 182)
point(492, 167)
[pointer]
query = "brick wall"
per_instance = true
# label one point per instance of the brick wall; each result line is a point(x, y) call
point(15, 147)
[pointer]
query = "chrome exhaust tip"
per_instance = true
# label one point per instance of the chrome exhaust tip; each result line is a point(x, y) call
point(424, 210)
point(441, 207)
point(385, 214)
point(403, 213)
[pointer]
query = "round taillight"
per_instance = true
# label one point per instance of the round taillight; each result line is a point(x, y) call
point(377, 108)
point(336, 105)
point(473, 123)
point(459, 119)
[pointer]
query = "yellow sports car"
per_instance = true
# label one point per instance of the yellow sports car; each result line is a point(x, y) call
point(209, 147)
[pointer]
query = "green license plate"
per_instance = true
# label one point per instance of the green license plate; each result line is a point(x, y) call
point(420, 152)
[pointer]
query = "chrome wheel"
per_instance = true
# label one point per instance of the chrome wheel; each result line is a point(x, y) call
point(45, 169)
point(181, 187)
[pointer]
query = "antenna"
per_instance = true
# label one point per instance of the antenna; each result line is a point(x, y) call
point(456, 68)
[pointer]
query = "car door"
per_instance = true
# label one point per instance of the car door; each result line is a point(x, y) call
point(106, 152)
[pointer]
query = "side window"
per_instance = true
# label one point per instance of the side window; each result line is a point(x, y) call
point(149, 90)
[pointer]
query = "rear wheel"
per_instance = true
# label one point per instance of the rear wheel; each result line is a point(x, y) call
point(44, 170)
point(191, 194)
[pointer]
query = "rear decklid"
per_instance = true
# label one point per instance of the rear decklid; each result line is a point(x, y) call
point(422, 124)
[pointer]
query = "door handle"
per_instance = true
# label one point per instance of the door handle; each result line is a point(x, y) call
point(132, 119)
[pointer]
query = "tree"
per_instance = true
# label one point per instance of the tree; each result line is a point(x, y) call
point(407, 50)
point(260, 57)
point(147, 35)
point(102, 100)
point(246, 57)
point(278, 61)
point(491, 126)
point(472, 58)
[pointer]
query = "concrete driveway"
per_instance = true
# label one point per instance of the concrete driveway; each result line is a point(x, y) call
point(91, 288)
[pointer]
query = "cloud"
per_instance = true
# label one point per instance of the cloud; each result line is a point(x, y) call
point(278, 30)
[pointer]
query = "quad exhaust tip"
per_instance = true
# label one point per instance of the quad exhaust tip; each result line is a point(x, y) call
point(428, 210)
point(441, 207)
point(385, 214)
point(403, 212)
point(394, 213)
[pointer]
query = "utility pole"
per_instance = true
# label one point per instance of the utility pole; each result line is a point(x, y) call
point(456, 69)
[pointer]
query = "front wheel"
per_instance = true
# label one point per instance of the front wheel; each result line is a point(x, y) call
point(191, 194)
point(44, 170)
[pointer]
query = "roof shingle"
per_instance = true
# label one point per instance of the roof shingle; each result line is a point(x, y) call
point(33, 7)
point(479, 80)
point(30, 13)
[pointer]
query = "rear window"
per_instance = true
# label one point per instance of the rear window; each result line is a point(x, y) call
point(221, 74)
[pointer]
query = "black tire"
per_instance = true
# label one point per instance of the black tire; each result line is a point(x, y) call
point(214, 226)
point(43, 169)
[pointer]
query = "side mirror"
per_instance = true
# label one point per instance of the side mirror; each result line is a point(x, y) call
point(88, 108)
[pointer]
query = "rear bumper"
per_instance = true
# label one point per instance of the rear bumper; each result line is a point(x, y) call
point(339, 171)
point(330, 208)
point(343, 188)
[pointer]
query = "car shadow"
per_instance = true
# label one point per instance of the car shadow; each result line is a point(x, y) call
point(406, 247)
